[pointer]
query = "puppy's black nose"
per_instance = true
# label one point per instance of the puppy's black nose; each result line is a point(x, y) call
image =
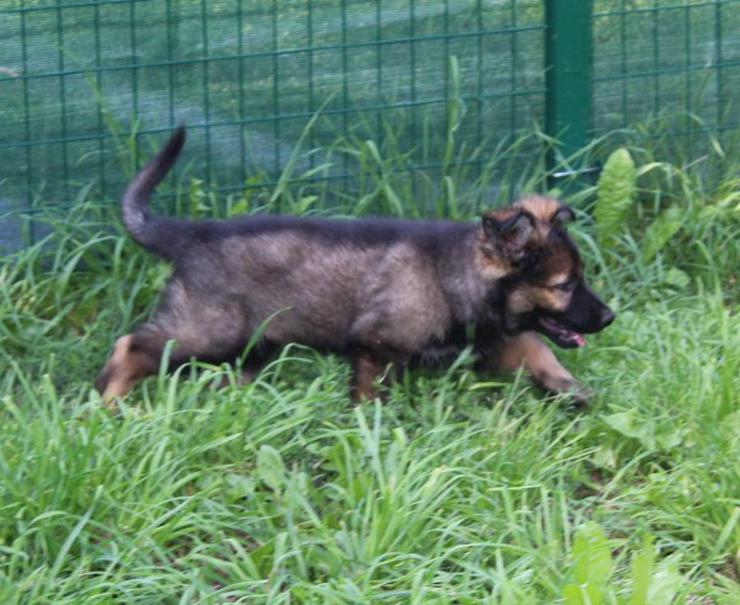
point(607, 317)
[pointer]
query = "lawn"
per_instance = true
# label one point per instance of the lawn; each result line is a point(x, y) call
point(459, 488)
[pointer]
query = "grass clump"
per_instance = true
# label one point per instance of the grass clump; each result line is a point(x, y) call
point(456, 490)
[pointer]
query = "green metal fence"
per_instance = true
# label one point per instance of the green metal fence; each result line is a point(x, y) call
point(661, 56)
point(78, 76)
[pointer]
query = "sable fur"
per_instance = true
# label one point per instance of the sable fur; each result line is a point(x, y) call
point(377, 290)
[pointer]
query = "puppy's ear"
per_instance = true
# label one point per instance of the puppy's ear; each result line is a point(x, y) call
point(508, 232)
point(563, 216)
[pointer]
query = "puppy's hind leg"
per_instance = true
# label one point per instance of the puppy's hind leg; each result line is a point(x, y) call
point(128, 364)
point(527, 349)
point(203, 325)
point(138, 355)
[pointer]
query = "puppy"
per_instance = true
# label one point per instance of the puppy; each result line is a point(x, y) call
point(379, 291)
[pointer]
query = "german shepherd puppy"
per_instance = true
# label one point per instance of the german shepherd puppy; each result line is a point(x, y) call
point(380, 291)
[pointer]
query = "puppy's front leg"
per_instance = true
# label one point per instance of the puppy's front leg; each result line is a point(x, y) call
point(369, 366)
point(366, 368)
point(527, 349)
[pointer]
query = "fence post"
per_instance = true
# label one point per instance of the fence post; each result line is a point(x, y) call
point(568, 60)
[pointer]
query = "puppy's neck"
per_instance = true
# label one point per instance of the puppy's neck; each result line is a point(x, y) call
point(469, 276)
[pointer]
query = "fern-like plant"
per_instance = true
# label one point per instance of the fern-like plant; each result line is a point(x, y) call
point(615, 193)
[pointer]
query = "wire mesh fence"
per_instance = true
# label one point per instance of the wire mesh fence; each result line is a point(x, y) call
point(666, 56)
point(83, 82)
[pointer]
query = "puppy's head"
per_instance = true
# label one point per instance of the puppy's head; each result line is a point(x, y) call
point(544, 287)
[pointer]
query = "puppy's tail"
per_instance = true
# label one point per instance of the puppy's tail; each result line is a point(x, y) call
point(144, 229)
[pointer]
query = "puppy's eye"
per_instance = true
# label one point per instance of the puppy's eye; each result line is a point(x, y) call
point(566, 286)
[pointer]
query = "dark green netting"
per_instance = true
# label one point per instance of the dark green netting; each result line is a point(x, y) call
point(662, 57)
point(78, 76)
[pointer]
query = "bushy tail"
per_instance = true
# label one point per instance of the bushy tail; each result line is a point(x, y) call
point(143, 228)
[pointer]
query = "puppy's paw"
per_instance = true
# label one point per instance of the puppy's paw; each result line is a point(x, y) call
point(567, 385)
point(580, 393)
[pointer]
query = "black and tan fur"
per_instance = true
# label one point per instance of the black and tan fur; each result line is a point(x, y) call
point(379, 291)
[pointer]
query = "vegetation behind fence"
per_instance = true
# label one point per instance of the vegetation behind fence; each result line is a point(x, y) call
point(84, 82)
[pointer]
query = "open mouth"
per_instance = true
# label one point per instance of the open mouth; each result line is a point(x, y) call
point(559, 334)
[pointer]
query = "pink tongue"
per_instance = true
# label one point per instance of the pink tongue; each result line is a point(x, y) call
point(580, 340)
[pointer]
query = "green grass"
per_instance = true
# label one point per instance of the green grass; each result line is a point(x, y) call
point(459, 489)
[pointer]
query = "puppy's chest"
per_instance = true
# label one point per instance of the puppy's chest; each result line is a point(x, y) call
point(479, 337)
point(442, 352)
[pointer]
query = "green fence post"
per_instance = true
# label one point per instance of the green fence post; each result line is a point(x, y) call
point(568, 59)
